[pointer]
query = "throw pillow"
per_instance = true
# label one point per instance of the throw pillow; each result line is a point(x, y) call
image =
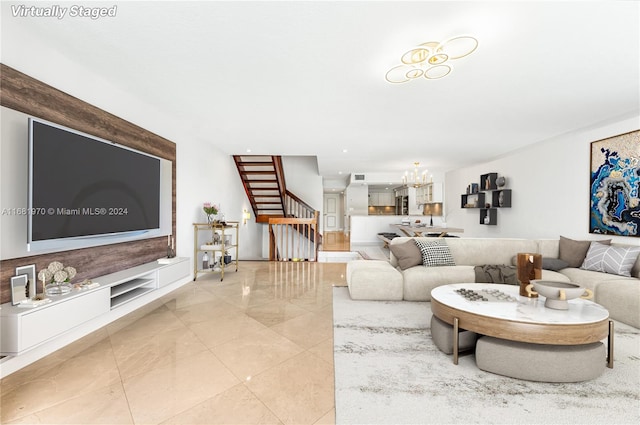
point(573, 252)
point(407, 253)
point(435, 253)
point(554, 264)
point(611, 259)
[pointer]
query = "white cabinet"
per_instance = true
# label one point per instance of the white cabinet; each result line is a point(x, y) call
point(381, 199)
point(22, 329)
point(431, 192)
point(387, 199)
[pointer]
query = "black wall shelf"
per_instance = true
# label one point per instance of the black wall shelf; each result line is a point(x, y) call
point(488, 199)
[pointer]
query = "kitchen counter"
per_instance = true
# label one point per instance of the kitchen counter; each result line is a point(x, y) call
point(364, 229)
point(426, 230)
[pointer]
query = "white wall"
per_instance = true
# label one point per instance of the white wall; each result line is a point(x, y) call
point(303, 179)
point(205, 174)
point(550, 188)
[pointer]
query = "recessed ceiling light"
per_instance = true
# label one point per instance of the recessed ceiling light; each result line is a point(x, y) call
point(248, 150)
point(339, 172)
point(344, 151)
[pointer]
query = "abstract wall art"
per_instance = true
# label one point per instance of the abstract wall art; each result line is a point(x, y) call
point(615, 185)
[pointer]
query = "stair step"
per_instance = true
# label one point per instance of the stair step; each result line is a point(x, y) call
point(259, 172)
point(256, 164)
point(251, 159)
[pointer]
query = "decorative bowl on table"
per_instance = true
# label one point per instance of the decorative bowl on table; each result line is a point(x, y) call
point(558, 293)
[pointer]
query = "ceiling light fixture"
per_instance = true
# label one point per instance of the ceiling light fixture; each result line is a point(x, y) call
point(431, 60)
point(415, 178)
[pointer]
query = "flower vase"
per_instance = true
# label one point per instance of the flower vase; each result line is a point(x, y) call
point(57, 288)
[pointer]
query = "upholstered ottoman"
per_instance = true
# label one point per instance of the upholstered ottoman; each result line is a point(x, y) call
point(540, 362)
point(375, 280)
point(442, 335)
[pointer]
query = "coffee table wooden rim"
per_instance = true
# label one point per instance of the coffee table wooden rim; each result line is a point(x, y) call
point(537, 333)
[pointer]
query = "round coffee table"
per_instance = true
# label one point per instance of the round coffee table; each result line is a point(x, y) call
point(520, 318)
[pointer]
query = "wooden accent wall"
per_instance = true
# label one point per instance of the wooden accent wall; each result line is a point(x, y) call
point(30, 96)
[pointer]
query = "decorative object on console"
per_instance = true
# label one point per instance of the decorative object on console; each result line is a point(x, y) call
point(558, 293)
point(56, 278)
point(211, 210)
point(171, 247)
point(614, 181)
point(86, 284)
point(30, 271)
point(19, 289)
point(529, 268)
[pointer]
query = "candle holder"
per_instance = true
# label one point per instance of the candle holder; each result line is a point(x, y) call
point(529, 268)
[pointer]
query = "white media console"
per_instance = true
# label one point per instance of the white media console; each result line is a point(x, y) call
point(28, 334)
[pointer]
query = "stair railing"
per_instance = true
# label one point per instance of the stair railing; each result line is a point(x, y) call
point(293, 239)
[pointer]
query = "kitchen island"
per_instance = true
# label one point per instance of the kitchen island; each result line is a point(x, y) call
point(364, 229)
point(418, 230)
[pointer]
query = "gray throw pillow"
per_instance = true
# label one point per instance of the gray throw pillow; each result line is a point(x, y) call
point(407, 253)
point(611, 259)
point(573, 252)
point(554, 264)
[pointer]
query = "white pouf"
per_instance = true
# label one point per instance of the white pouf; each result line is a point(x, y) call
point(374, 280)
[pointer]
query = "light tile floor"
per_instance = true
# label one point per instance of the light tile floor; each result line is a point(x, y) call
point(254, 349)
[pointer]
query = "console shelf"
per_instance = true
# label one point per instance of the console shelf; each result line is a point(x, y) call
point(130, 290)
point(23, 329)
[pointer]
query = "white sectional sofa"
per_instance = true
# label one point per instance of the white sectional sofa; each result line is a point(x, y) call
point(619, 294)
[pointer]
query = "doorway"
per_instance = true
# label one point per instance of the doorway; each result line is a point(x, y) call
point(334, 237)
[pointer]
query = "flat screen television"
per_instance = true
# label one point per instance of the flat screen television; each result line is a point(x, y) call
point(83, 187)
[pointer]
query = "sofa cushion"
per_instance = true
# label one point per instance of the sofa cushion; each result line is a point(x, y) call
point(574, 252)
point(587, 278)
point(554, 264)
point(435, 253)
point(407, 253)
point(622, 299)
point(610, 259)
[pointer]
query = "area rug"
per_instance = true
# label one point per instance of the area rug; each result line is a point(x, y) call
point(388, 371)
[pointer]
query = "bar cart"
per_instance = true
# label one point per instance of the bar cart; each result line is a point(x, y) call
point(213, 244)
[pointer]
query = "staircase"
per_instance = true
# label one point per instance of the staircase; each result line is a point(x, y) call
point(263, 180)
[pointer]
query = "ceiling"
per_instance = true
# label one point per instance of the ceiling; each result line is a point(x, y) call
point(307, 78)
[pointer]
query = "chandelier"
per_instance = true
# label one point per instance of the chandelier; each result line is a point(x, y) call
point(415, 178)
point(431, 60)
